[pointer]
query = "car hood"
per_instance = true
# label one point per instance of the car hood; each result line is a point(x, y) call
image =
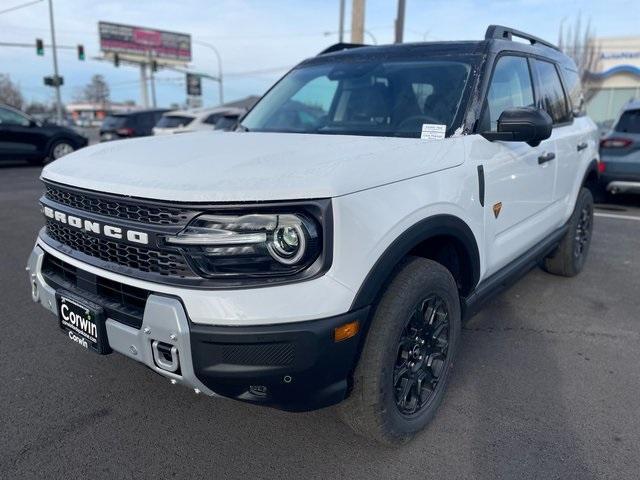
point(234, 166)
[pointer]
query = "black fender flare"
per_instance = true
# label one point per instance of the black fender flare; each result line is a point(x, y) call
point(425, 229)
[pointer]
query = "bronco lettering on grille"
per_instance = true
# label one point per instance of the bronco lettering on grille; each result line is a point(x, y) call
point(110, 231)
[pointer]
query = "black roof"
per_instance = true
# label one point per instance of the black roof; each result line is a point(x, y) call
point(497, 38)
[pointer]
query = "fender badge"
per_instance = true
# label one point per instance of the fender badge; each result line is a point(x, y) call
point(496, 209)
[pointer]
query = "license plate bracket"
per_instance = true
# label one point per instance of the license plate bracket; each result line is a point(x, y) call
point(83, 321)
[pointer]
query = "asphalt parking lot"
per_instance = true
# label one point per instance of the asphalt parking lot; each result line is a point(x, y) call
point(547, 386)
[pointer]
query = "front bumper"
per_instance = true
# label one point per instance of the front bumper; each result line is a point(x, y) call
point(293, 366)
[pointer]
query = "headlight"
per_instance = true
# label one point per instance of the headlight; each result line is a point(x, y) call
point(251, 245)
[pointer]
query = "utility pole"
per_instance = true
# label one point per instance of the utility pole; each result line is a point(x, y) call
point(144, 94)
point(357, 21)
point(400, 21)
point(341, 29)
point(55, 65)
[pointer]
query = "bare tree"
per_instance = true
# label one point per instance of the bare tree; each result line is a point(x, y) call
point(97, 91)
point(10, 92)
point(582, 46)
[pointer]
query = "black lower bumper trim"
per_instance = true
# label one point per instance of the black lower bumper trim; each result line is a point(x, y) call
point(294, 367)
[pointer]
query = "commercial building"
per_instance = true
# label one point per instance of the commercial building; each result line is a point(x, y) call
point(615, 81)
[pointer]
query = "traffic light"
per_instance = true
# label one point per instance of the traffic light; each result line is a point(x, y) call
point(39, 47)
point(81, 52)
point(154, 66)
point(116, 59)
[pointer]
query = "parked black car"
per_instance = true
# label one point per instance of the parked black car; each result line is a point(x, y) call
point(22, 137)
point(128, 125)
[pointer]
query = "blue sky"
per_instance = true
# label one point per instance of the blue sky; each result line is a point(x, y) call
point(256, 35)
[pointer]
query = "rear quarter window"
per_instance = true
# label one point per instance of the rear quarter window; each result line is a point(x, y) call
point(629, 122)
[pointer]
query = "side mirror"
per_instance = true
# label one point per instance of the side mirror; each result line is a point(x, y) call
point(522, 124)
point(34, 123)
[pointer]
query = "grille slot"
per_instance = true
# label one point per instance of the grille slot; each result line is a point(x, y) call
point(127, 210)
point(139, 258)
point(121, 302)
point(272, 354)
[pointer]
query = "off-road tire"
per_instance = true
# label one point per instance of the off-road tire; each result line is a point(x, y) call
point(371, 409)
point(569, 258)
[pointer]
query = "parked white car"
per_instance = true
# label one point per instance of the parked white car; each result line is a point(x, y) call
point(181, 121)
point(329, 250)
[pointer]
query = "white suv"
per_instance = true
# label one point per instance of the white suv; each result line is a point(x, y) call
point(330, 250)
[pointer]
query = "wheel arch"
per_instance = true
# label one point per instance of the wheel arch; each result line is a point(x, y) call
point(443, 238)
point(591, 175)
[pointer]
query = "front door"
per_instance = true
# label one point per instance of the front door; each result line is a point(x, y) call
point(519, 182)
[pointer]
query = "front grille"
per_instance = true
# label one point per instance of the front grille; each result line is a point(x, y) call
point(128, 210)
point(140, 258)
point(122, 303)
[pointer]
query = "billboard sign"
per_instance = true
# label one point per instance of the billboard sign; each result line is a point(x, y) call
point(142, 42)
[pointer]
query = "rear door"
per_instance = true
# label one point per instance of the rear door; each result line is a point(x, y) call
point(518, 188)
point(567, 139)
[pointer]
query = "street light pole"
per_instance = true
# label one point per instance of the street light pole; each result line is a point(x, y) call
point(215, 50)
point(55, 64)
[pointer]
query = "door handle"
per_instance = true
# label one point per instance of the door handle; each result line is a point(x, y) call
point(582, 146)
point(547, 157)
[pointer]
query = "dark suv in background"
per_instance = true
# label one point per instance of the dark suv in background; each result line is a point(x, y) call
point(22, 137)
point(129, 125)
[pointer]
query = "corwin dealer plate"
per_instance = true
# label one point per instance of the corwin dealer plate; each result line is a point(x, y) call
point(82, 321)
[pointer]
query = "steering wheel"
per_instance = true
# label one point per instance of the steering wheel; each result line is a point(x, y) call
point(408, 124)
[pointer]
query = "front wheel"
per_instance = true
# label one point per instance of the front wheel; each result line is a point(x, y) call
point(408, 355)
point(569, 258)
point(59, 149)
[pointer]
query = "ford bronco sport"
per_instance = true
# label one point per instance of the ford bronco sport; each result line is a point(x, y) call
point(329, 250)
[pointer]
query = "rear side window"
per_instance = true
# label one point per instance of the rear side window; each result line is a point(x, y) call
point(114, 121)
point(174, 121)
point(629, 122)
point(574, 91)
point(510, 87)
point(551, 96)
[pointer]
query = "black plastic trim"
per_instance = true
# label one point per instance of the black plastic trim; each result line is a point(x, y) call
point(428, 228)
point(299, 363)
point(481, 184)
point(508, 275)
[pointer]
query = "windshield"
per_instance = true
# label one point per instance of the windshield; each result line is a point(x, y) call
point(174, 121)
point(384, 98)
point(114, 121)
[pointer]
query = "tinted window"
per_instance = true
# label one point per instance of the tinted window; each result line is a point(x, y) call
point(9, 117)
point(574, 91)
point(174, 121)
point(112, 122)
point(384, 97)
point(212, 119)
point(227, 122)
point(551, 96)
point(510, 87)
point(629, 122)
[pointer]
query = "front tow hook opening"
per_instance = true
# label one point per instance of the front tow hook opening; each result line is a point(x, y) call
point(165, 356)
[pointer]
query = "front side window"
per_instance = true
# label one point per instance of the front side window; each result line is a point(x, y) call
point(510, 88)
point(365, 97)
point(9, 117)
point(551, 96)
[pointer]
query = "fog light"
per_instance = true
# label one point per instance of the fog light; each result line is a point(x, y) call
point(348, 330)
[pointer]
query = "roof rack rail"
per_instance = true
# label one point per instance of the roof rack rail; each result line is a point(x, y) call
point(341, 46)
point(505, 33)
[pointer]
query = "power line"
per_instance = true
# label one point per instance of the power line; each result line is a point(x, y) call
point(11, 9)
